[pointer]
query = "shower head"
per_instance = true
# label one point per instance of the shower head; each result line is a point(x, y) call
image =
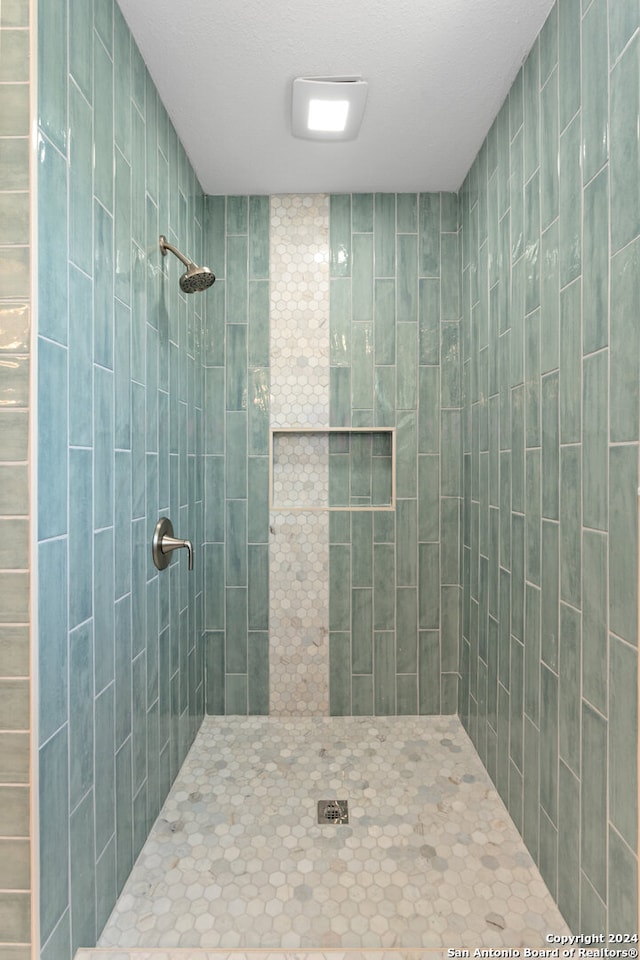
point(195, 278)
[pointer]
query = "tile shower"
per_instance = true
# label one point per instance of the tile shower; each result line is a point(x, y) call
point(493, 330)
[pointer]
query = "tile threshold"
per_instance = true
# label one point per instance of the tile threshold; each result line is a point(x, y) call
point(274, 953)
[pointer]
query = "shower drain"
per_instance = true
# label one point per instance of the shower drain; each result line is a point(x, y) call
point(333, 811)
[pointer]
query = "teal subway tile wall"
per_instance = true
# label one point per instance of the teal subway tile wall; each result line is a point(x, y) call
point(393, 338)
point(394, 591)
point(120, 443)
point(550, 243)
point(236, 463)
point(15, 335)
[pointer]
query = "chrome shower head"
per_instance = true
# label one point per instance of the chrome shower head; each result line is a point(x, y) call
point(196, 278)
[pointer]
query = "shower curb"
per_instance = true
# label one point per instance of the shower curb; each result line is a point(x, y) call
point(267, 953)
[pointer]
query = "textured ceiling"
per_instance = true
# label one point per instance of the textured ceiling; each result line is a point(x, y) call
point(438, 71)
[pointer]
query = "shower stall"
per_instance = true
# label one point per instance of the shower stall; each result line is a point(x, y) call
point(400, 433)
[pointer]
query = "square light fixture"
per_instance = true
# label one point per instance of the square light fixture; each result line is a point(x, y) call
point(328, 108)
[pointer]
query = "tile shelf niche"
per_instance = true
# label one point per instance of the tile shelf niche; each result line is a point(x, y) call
point(332, 468)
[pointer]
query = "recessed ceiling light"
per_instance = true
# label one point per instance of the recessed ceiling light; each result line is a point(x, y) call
point(328, 115)
point(328, 108)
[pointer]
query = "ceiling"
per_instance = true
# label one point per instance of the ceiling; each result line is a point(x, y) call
point(438, 72)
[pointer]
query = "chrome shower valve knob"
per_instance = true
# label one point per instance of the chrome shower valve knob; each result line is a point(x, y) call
point(164, 543)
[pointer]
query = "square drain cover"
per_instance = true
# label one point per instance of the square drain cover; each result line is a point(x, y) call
point(333, 811)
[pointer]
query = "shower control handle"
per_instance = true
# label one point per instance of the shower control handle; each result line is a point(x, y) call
point(172, 543)
point(164, 543)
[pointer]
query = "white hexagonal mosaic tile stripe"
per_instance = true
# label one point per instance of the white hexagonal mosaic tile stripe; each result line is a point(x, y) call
point(298, 614)
point(301, 470)
point(299, 310)
point(299, 543)
point(430, 857)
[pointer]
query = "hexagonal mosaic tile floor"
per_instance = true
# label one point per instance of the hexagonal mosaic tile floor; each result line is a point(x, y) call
point(430, 857)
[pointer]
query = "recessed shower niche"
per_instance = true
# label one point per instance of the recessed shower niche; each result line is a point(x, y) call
point(336, 468)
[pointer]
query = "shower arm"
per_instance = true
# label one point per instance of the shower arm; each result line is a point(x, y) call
point(165, 245)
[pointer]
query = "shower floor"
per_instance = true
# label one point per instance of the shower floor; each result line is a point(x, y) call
point(430, 857)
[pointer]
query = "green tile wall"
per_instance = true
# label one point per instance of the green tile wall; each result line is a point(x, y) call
point(395, 314)
point(236, 462)
point(120, 442)
point(360, 469)
point(15, 332)
point(550, 283)
point(395, 594)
